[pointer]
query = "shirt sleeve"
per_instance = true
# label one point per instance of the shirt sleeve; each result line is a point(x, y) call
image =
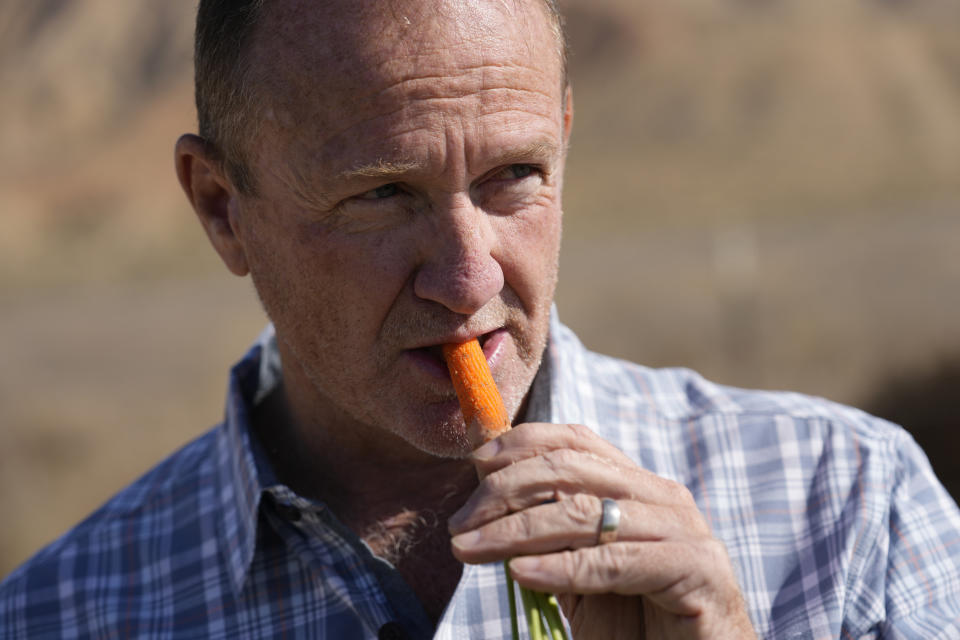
point(922, 581)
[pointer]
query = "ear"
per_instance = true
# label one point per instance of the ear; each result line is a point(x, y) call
point(213, 198)
point(567, 114)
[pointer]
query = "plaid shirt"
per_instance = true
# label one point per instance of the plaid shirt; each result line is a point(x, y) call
point(834, 522)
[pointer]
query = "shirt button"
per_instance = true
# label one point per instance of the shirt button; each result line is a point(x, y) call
point(392, 631)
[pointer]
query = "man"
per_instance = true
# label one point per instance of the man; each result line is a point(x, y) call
point(390, 176)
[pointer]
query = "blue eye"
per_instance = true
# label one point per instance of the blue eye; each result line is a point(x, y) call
point(381, 192)
point(521, 170)
point(515, 172)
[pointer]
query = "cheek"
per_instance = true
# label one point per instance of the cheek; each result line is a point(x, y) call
point(322, 283)
point(530, 245)
point(360, 275)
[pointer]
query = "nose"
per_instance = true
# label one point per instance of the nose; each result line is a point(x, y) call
point(459, 269)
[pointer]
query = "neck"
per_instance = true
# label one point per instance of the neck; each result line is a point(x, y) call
point(324, 462)
point(396, 500)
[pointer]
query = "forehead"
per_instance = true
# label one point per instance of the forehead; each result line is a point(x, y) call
point(364, 35)
point(322, 66)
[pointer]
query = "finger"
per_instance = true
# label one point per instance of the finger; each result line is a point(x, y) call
point(534, 438)
point(571, 524)
point(555, 475)
point(683, 577)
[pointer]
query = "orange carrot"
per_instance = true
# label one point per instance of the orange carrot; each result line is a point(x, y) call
point(480, 402)
point(487, 418)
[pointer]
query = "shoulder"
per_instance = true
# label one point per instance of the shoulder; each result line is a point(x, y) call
point(802, 490)
point(676, 412)
point(817, 502)
point(119, 549)
point(800, 452)
point(680, 395)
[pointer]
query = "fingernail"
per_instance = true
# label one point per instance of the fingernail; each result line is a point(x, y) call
point(527, 566)
point(455, 522)
point(466, 540)
point(488, 450)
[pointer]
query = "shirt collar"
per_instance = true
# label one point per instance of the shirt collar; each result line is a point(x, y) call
point(244, 471)
point(556, 395)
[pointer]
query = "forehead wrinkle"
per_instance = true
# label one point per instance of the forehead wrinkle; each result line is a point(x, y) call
point(463, 80)
point(308, 192)
point(395, 78)
point(356, 74)
point(355, 61)
point(331, 151)
point(301, 188)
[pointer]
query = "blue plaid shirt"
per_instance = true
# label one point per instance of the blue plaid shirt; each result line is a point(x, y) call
point(834, 522)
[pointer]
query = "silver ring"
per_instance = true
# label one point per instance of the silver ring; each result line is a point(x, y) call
point(609, 521)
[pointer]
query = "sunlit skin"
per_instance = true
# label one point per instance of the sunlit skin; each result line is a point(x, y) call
point(408, 195)
point(424, 210)
point(408, 163)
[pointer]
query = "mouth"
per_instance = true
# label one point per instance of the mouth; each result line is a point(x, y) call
point(430, 357)
point(436, 350)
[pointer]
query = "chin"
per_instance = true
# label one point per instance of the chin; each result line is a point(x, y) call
point(447, 440)
point(440, 435)
point(448, 437)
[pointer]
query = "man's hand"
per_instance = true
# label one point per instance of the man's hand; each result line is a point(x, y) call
point(539, 501)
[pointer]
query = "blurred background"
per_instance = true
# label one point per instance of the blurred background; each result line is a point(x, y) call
point(767, 191)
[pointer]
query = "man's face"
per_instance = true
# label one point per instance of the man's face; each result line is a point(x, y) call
point(409, 167)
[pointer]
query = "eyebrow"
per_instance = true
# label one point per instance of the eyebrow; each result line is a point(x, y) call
point(390, 171)
point(380, 170)
point(536, 151)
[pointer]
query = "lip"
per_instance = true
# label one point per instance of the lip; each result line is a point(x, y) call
point(494, 346)
point(426, 357)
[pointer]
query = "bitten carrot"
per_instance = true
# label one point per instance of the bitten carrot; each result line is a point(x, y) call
point(487, 418)
point(482, 406)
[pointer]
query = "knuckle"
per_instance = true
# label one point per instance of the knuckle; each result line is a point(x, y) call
point(524, 435)
point(570, 569)
point(686, 594)
point(681, 494)
point(686, 590)
point(520, 526)
point(525, 525)
point(595, 569)
point(581, 509)
point(716, 551)
point(695, 523)
point(492, 484)
point(496, 493)
point(559, 459)
point(703, 572)
point(611, 565)
point(578, 431)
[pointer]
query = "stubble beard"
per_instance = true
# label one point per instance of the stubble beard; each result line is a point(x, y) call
point(447, 437)
point(360, 399)
point(438, 433)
